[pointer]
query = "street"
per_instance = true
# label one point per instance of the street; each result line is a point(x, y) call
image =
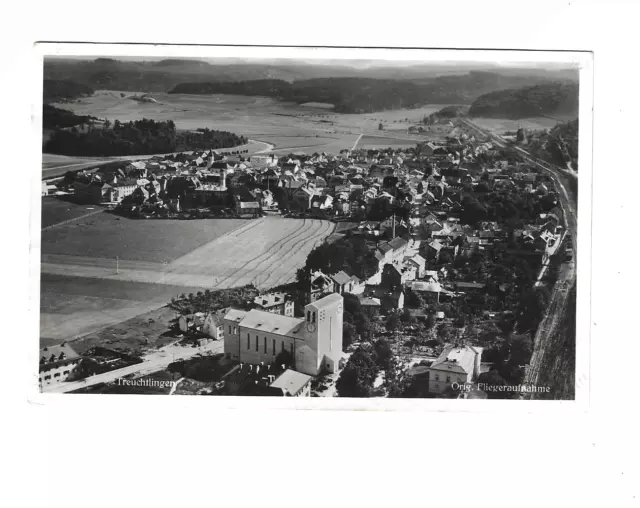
point(152, 363)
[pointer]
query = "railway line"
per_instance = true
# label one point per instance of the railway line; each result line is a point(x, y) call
point(550, 337)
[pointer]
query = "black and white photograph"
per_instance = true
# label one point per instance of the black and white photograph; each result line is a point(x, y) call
point(313, 222)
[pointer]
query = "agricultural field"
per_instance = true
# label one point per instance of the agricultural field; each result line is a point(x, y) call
point(503, 125)
point(56, 210)
point(287, 126)
point(386, 142)
point(155, 241)
point(72, 306)
point(82, 290)
point(267, 251)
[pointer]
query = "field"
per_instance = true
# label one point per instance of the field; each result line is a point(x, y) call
point(287, 126)
point(55, 211)
point(386, 142)
point(156, 241)
point(502, 125)
point(82, 292)
point(72, 306)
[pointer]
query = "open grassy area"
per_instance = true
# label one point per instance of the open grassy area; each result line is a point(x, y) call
point(136, 336)
point(290, 127)
point(56, 210)
point(72, 306)
point(502, 125)
point(107, 236)
point(386, 142)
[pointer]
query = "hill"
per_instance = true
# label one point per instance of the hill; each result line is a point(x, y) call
point(421, 84)
point(546, 99)
point(445, 114)
point(362, 95)
point(53, 118)
point(60, 90)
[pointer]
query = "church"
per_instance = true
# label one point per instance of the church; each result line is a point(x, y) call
point(314, 342)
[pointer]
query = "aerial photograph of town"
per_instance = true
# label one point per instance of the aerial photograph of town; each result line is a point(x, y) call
point(313, 227)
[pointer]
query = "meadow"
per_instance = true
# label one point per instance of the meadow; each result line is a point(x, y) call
point(503, 125)
point(157, 241)
point(288, 126)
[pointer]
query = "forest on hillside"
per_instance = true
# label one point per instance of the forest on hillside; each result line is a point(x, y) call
point(539, 100)
point(558, 146)
point(59, 90)
point(53, 118)
point(361, 95)
point(140, 137)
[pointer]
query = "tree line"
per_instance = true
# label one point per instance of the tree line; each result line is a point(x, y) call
point(538, 100)
point(138, 137)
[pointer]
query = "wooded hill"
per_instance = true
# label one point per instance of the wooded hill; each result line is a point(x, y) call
point(539, 100)
point(136, 138)
point(57, 90)
point(363, 95)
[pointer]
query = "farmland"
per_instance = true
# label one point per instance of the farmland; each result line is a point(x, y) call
point(267, 252)
point(82, 292)
point(502, 125)
point(289, 127)
point(55, 211)
point(385, 142)
point(155, 241)
point(72, 306)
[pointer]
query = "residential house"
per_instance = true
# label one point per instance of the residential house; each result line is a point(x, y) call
point(457, 365)
point(248, 208)
point(293, 384)
point(57, 363)
point(319, 284)
point(370, 306)
point(276, 303)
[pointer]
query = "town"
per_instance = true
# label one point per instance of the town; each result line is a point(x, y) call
point(453, 248)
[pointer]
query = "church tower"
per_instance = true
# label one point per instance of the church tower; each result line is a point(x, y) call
point(323, 321)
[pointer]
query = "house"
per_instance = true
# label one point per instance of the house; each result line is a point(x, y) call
point(213, 325)
point(57, 363)
point(433, 250)
point(314, 342)
point(342, 283)
point(430, 290)
point(302, 197)
point(457, 365)
point(191, 322)
point(276, 303)
point(247, 208)
point(468, 286)
point(48, 189)
point(370, 306)
point(419, 263)
point(319, 283)
point(293, 384)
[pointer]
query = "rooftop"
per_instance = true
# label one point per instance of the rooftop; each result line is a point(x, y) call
point(291, 381)
point(272, 323)
point(57, 353)
point(457, 358)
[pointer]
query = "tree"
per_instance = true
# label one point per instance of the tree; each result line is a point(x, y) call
point(407, 318)
point(392, 323)
point(383, 353)
point(69, 178)
point(356, 379)
point(348, 334)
